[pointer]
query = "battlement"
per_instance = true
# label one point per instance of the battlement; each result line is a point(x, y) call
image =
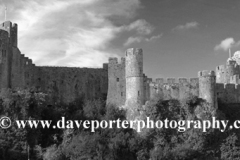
point(134, 63)
point(228, 93)
point(134, 52)
point(149, 80)
point(29, 61)
point(206, 73)
point(174, 88)
point(7, 26)
point(122, 79)
point(231, 62)
point(162, 81)
point(114, 60)
point(12, 30)
point(153, 84)
point(222, 86)
point(220, 68)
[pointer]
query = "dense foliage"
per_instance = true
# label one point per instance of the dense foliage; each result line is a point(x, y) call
point(114, 143)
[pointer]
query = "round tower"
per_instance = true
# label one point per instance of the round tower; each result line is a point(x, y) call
point(134, 82)
point(207, 87)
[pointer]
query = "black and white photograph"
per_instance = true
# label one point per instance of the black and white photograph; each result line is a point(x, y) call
point(119, 80)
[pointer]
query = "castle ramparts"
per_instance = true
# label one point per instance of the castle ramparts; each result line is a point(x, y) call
point(222, 85)
point(62, 84)
point(122, 82)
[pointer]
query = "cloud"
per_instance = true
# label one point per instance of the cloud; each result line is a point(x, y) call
point(154, 37)
point(186, 26)
point(139, 39)
point(226, 44)
point(141, 26)
point(132, 40)
point(72, 33)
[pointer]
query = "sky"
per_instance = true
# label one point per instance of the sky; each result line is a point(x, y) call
point(178, 37)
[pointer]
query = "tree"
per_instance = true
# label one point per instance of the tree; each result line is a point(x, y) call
point(19, 105)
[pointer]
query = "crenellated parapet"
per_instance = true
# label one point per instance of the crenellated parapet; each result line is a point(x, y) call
point(228, 93)
point(174, 88)
point(122, 80)
point(12, 30)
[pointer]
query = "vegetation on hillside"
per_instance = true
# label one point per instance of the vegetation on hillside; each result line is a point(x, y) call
point(113, 143)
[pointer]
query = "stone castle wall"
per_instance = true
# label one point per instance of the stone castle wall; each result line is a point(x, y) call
point(223, 86)
point(116, 82)
point(120, 81)
point(62, 84)
point(174, 88)
point(67, 84)
point(225, 73)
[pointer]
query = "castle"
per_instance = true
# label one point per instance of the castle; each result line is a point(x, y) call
point(62, 84)
point(122, 83)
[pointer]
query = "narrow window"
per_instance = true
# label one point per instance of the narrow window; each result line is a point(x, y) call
point(117, 79)
point(121, 93)
point(138, 93)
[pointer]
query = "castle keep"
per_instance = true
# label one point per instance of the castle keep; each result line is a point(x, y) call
point(122, 82)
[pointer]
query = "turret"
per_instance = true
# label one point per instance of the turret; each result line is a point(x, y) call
point(12, 30)
point(207, 87)
point(134, 82)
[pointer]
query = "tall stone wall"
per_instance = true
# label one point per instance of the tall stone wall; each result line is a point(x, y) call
point(22, 70)
point(5, 54)
point(146, 88)
point(65, 84)
point(228, 93)
point(172, 88)
point(62, 84)
point(123, 83)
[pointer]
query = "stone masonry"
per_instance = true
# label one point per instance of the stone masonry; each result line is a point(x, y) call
point(62, 84)
point(122, 83)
